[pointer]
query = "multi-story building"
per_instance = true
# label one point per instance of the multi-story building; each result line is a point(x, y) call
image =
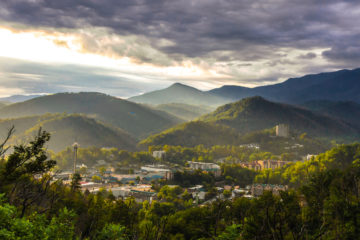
point(159, 154)
point(207, 167)
point(282, 130)
point(160, 169)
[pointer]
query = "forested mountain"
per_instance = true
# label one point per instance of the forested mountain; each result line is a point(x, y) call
point(346, 110)
point(66, 129)
point(256, 113)
point(134, 118)
point(194, 133)
point(228, 123)
point(184, 111)
point(341, 85)
point(180, 93)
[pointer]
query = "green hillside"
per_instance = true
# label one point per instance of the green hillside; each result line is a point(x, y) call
point(66, 129)
point(184, 111)
point(136, 119)
point(194, 133)
point(256, 113)
point(180, 93)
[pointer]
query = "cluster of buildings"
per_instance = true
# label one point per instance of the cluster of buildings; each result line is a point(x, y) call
point(258, 189)
point(138, 183)
point(260, 165)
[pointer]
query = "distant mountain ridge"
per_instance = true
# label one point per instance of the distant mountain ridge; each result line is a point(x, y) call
point(180, 93)
point(65, 129)
point(343, 85)
point(19, 98)
point(184, 111)
point(135, 119)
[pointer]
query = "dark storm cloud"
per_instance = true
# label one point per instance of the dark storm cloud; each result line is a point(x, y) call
point(248, 29)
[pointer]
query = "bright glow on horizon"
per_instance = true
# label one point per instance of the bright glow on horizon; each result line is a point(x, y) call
point(67, 49)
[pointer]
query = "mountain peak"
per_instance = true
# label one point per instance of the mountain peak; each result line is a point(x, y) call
point(180, 85)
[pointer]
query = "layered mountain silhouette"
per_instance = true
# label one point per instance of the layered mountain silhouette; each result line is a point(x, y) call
point(343, 85)
point(135, 119)
point(249, 115)
point(66, 129)
point(185, 111)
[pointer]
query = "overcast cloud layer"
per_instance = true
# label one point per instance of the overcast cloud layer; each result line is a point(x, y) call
point(247, 42)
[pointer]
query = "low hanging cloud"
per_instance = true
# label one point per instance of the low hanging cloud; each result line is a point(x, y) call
point(258, 41)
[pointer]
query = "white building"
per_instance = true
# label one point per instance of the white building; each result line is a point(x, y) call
point(168, 174)
point(282, 130)
point(159, 154)
point(208, 167)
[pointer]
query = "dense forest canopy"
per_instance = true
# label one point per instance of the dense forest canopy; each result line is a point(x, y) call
point(324, 206)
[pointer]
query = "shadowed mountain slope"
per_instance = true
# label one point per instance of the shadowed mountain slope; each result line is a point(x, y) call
point(66, 129)
point(136, 119)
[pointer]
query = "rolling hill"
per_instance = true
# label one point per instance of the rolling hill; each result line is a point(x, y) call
point(184, 111)
point(136, 119)
point(343, 85)
point(66, 129)
point(256, 113)
point(194, 133)
point(180, 93)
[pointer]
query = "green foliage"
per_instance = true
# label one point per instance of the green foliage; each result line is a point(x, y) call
point(12, 226)
point(324, 206)
point(235, 174)
point(112, 156)
point(297, 173)
point(28, 159)
point(231, 233)
point(187, 178)
point(112, 232)
point(194, 133)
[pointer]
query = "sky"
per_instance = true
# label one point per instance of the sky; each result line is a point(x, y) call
point(126, 48)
